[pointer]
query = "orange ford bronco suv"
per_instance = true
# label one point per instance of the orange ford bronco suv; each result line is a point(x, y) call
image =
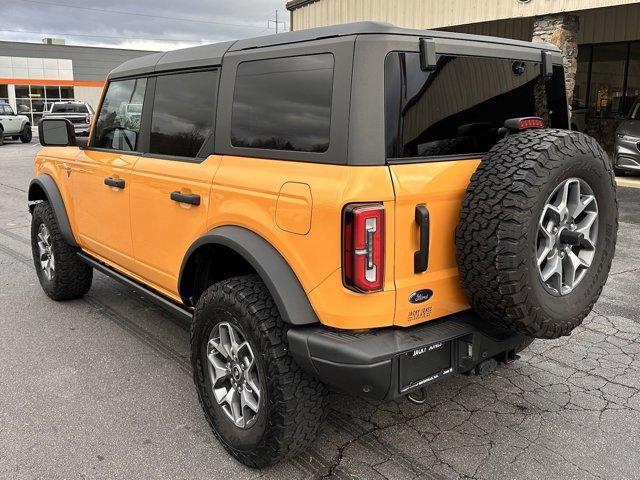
point(361, 206)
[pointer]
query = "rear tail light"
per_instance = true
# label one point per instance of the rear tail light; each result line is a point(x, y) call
point(363, 247)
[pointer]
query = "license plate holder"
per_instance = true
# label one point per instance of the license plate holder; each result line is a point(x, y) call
point(425, 365)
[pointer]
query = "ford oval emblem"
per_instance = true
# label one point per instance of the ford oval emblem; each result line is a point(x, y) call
point(421, 296)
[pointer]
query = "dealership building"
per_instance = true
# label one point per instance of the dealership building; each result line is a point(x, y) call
point(32, 75)
point(600, 40)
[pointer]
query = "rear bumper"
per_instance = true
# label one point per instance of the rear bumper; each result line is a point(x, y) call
point(81, 128)
point(391, 362)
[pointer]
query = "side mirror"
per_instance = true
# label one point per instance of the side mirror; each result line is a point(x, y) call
point(56, 132)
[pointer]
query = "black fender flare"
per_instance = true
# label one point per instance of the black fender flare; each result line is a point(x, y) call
point(283, 284)
point(45, 184)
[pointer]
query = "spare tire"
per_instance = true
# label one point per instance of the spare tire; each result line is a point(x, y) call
point(537, 233)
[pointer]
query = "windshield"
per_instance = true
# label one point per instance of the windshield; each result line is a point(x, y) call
point(69, 108)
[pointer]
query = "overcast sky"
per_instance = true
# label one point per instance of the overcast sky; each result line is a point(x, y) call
point(138, 24)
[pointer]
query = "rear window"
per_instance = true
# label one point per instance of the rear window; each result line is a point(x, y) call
point(283, 104)
point(69, 108)
point(459, 108)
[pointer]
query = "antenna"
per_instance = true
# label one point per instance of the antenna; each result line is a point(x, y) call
point(277, 23)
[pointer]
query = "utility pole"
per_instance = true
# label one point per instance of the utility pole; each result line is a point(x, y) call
point(277, 23)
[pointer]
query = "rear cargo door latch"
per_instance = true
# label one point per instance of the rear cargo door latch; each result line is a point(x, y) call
point(421, 257)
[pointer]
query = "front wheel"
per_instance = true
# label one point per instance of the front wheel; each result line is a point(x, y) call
point(260, 404)
point(26, 135)
point(62, 275)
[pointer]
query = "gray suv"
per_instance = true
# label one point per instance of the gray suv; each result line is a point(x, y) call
point(627, 148)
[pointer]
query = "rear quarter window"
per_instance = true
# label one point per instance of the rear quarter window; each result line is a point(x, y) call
point(459, 108)
point(283, 103)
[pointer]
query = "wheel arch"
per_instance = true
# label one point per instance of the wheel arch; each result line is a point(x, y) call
point(239, 251)
point(44, 188)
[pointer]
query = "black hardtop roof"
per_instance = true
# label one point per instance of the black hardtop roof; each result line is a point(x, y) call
point(208, 55)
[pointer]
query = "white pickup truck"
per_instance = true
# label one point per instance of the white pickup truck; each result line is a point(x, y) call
point(78, 113)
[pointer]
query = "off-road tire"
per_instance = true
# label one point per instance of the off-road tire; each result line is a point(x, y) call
point(1, 136)
point(293, 403)
point(496, 236)
point(26, 135)
point(524, 344)
point(72, 278)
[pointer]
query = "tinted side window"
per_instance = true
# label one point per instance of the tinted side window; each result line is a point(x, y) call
point(183, 112)
point(118, 123)
point(283, 103)
point(459, 108)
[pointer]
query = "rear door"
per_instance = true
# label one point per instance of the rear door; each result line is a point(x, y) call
point(101, 175)
point(171, 183)
point(439, 123)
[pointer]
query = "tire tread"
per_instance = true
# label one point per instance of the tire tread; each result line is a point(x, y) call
point(72, 278)
point(298, 401)
point(494, 223)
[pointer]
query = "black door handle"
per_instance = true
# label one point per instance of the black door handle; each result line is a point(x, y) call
point(114, 182)
point(421, 257)
point(190, 198)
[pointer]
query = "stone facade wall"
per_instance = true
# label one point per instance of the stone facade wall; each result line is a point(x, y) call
point(562, 31)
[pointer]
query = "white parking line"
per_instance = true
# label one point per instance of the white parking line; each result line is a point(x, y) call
point(628, 182)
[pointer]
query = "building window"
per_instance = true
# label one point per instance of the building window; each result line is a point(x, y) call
point(633, 78)
point(607, 80)
point(4, 93)
point(606, 96)
point(66, 93)
point(33, 100)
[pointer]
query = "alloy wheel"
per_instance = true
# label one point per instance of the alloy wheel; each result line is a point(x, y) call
point(567, 236)
point(234, 374)
point(45, 250)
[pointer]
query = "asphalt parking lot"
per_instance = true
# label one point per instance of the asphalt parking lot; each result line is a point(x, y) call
point(101, 388)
